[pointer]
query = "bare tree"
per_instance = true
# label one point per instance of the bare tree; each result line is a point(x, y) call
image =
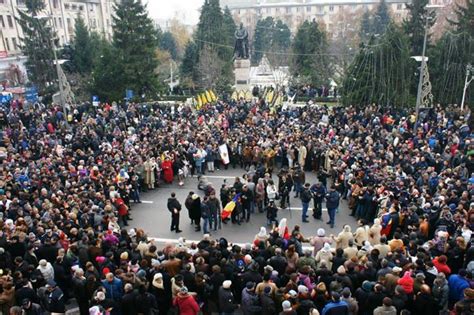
point(209, 68)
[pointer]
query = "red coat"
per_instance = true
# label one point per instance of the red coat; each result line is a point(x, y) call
point(186, 303)
point(442, 267)
point(406, 282)
point(121, 207)
point(167, 171)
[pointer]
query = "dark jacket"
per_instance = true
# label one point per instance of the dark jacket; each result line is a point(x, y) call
point(336, 308)
point(250, 303)
point(226, 301)
point(268, 304)
point(332, 200)
point(173, 203)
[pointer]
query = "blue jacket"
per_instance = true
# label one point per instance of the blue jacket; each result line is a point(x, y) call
point(457, 285)
point(336, 308)
point(113, 290)
point(332, 200)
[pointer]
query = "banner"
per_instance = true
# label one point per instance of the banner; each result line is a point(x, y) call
point(224, 154)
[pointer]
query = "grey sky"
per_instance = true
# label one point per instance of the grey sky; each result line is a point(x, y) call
point(185, 10)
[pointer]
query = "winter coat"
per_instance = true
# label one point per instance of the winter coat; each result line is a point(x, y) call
point(114, 289)
point(250, 303)
point(186, 304)
point(268, 304)
point(226, 301)
point(407, 282)
point(457, 285)
point(385, 310)
point(441, 294)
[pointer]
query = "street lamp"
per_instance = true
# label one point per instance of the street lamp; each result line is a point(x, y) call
point(469, 71)
point(423, 60)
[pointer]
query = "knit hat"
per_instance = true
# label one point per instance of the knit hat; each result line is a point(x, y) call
point(321, 232)
point(286, 305)
point(183, 290)
point(226, 284)
point(367, 285)
point(341, 270)
point(250, 285)
point(302, 289)
point(293, 293)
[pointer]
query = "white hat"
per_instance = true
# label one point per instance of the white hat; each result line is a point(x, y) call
point(321, 232)
point(226, 284)
point(286, 305)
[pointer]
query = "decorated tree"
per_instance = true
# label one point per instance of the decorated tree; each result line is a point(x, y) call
point(37, 45)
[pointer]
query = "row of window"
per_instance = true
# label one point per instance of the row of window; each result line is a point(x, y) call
point(14, 43)
point(6, 21)
point(299, 9)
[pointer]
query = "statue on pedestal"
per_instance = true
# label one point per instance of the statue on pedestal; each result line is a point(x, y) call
point(241, 50)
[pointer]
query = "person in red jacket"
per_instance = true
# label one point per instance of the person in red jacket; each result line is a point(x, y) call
point(186, 303)
point(406, 282)
point(440, 264)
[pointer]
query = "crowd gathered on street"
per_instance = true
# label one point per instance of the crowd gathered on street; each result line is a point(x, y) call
point(69, 181)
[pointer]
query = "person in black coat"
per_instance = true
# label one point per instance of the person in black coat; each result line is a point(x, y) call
point(268, 304)
point(424, 302)
point(226, 298)
point(128, 301)
point(375, 298)
point(79, 291)
point(175, 208)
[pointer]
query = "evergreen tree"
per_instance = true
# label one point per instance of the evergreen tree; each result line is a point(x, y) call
point(215, 33)
point(264, 32)
point(380, 72)
point(168, 43)
point(81, 48)
point(281, 38)
point(381, 18)
point(108, 80)
point(135, 42)
point(188, 67)
point(37, 45)
point(310, 64)
point(450, 56)
point(414, 25)
point(366, 27)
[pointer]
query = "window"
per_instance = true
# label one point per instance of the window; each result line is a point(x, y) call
point(308, 9)
point(277, 10)
point(7, 44)
point(399, 6)
point(288, 10)
point(2, 21)
point(68, 24)
point(10, 21)
point(18, 2)
point(67, 6)
point(297, 9)
point(15, 46)
point(331, 8)
point(320, 8)
point(74, 7)
point(60, 23)
point(268, 10)
point(81, 8)
point(55, 4)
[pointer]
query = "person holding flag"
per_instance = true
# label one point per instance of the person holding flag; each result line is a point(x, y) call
point(231, 210)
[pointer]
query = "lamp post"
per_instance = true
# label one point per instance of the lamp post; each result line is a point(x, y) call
point(469, 71)
point(422, 68)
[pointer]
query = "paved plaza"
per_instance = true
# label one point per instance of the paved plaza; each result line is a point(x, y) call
point(153, 216)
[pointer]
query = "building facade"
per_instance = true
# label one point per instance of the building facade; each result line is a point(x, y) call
point(330, 13)
point(97, 14)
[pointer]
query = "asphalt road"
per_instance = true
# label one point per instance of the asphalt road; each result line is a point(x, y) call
point(153, 216)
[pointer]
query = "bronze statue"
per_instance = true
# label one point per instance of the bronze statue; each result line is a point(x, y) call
point(241, 50)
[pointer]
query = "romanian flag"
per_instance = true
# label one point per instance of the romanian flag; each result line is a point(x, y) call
point(227, 211)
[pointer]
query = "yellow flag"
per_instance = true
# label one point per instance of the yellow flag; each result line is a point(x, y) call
point(209, 98)
point(213, 96)
point(235, 96)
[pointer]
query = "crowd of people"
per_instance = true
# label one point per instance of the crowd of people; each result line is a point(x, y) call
point(69, 181)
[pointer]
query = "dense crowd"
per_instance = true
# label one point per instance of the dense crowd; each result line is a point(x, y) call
point(69, 181)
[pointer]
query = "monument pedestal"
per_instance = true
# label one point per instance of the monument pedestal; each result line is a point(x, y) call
point(242, 74)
